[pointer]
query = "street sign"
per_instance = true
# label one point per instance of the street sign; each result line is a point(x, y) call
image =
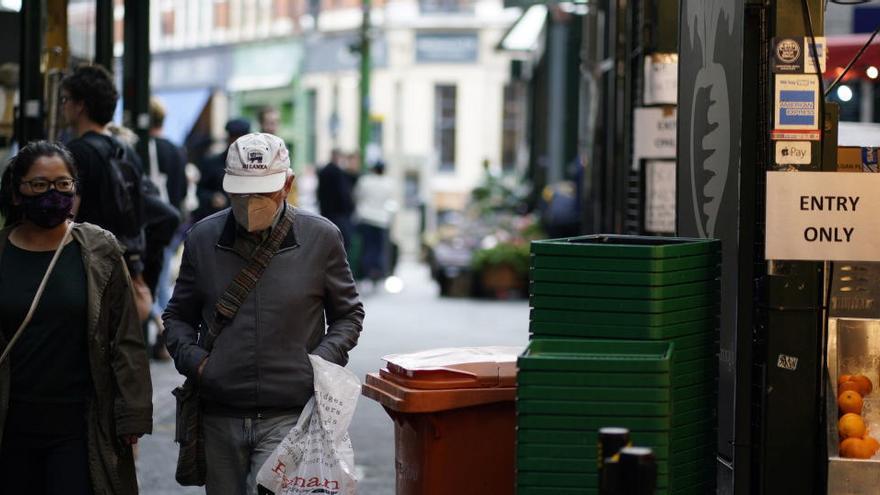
point(819, 216)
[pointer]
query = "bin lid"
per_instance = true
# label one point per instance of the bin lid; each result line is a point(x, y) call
point(454, 368)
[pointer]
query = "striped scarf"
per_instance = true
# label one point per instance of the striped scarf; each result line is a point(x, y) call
point(234, 296)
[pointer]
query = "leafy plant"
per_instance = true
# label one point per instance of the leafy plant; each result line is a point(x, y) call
point(514, 255)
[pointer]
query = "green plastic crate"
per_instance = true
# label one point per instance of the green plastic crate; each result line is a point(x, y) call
point(621, 246)
point(585, 456)
point(623, 278)
point(634, 380)
point(594, 331)
point(599, 289)
point(597, 355)
point(625, 305)
point(615, 394)
point(645, 423)
point(574, 407)
point(625, 264)
point(624, 319)
point(679, 436)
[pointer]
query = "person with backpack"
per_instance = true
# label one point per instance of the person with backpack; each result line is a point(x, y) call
point(262, 285)
point(75, 391)
point(110, 183)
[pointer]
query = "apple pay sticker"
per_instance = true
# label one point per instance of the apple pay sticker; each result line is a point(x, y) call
point(793, 152)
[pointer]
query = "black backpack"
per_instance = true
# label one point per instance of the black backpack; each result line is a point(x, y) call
point(120, 189)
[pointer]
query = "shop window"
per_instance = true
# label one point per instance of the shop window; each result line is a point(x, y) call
point(166, 18)
point(221, 14)
point(446, 6)
point(511, 120)
point(444, 126)
point(311, 126)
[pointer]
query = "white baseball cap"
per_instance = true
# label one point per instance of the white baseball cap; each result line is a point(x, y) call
point(256, 163)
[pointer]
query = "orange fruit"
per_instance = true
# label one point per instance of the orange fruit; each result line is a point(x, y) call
point(864, 384)
point(843, 379)
point(875, 445)
point(851, 425)
point(849, 386)
point(856, 448)
point(850, 402)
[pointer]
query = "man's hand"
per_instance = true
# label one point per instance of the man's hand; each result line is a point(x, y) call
point(129, 439)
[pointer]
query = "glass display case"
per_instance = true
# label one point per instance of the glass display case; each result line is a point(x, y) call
point(853, 406)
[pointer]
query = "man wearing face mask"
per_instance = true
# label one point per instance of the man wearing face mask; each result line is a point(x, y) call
point(256, 377)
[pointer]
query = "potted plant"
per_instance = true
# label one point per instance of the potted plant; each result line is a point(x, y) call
point(503, 268)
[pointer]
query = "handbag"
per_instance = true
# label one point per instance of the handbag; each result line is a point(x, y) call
point(38, 295)
point(188, 433)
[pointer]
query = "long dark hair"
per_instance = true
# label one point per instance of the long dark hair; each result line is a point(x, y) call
point(18, 167)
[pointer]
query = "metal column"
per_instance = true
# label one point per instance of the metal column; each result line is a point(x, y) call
point(136, 71)
point(104, 33)
point(29, 124)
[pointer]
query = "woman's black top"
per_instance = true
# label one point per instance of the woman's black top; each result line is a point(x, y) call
point(50, 362)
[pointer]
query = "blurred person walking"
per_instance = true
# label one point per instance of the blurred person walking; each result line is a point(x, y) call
point(270, 120)
point(75, 390)
point(167, 167)
point(335, 195)
point(210, 192)
point(257, 323)
point(374, 195)
point(110, 187)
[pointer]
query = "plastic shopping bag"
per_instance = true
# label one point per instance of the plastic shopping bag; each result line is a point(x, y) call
point(316, 456)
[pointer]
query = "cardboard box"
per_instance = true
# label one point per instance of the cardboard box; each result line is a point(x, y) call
point(857, 159)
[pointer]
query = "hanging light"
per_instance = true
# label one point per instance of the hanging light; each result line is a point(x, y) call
point(872, 72)
point(844, 93)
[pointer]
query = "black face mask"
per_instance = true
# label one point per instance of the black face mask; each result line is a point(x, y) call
point(49, 209)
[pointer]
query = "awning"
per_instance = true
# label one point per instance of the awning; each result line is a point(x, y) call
point(842, 49)
point(182, 108)
point(265, 65)
point(524, 37)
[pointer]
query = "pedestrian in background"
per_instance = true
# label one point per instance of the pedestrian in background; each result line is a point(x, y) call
point(167, 162)
point(374, 195)
point(270, 120)
point(210, 192)
point(107, 169)
point(335, 195)
point(76, 392)
point(254, 377)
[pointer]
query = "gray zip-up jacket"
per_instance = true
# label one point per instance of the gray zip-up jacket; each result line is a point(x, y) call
point(305, 303)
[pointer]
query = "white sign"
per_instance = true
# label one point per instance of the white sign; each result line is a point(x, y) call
point(818, 216)
point(809, 61)
point(797, 102)
point(654, 137)
point(661, 79)
point(660, 197)
point(793, 152)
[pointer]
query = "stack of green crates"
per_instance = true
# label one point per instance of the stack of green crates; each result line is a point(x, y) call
point(624, 332)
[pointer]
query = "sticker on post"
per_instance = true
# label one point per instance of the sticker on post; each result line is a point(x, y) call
point(795, 55)
point(793, 152)
point(797, 103)
point(787, 362)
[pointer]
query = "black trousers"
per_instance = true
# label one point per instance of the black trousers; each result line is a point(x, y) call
point(43, 462)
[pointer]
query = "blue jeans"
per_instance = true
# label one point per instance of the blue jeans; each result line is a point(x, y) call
point(236, 449)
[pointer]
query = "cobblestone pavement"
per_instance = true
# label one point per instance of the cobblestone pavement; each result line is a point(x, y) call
point(415, 319)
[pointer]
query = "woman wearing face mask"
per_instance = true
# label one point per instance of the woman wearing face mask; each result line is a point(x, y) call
point(75, 391)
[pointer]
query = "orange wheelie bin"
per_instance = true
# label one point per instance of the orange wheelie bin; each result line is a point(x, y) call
point(454, 419)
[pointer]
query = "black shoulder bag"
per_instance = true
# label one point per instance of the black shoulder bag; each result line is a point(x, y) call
point(191, 467)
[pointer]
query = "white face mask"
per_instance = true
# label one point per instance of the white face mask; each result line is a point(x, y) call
point(254, 212)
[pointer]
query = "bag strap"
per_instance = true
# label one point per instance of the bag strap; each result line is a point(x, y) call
point(106, 146)
point(233, 297)
point(38, 295)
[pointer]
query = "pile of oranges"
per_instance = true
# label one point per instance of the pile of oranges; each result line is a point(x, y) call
point(855, 441)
